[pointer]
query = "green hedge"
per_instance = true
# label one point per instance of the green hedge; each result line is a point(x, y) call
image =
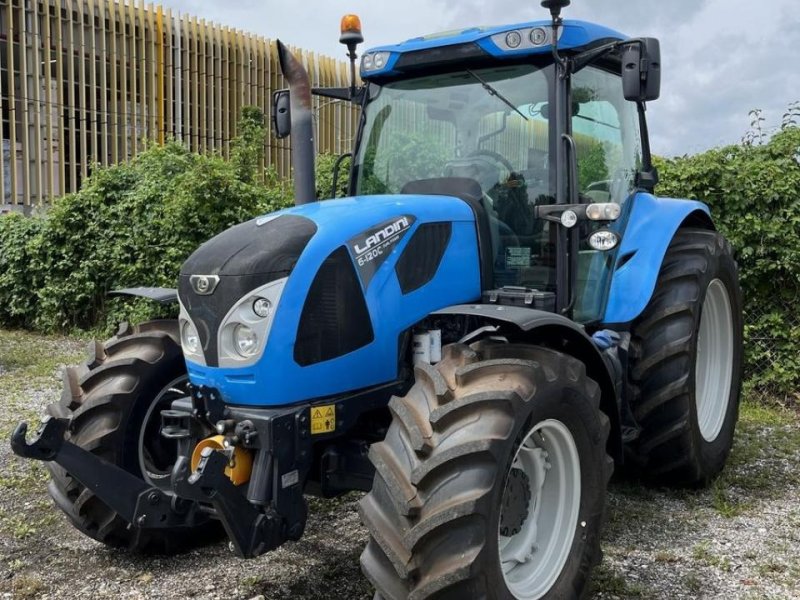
point(134, 224)
point(754, 195)
point(131, 224)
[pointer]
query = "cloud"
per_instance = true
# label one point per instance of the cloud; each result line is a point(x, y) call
point(721, 57)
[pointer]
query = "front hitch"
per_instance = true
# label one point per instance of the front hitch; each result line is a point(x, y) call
point(47, 442)
point(251, 531)
point(135, 501)
point(253, 528)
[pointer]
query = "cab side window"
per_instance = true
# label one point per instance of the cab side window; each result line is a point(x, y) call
point(606, 131)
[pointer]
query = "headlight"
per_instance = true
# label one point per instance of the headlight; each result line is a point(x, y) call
point(607, 211)
point(244, 332)
point(190, 338)
point(245, 341)
point(603, 240)
point(262, 307)
point(375, 61)
point(513, 39)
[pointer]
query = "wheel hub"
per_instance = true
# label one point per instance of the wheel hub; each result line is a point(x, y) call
point(539, 511)
point(714, 362)
point(516, 503)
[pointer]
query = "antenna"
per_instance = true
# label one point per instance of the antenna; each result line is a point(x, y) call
point(555, 6)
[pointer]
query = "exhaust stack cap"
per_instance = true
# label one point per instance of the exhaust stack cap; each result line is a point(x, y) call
point(302, 129)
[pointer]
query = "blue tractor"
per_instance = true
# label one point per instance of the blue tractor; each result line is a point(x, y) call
point(498, 313)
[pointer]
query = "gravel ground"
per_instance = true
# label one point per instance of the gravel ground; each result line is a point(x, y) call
point(739, 539)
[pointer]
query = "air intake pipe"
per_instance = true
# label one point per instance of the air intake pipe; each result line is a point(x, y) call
point(302, 136)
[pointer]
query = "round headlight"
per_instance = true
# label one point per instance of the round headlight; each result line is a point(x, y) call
point(569, 218)
point(366, 62)
point(538, 36)
point(262, 307)
point(245, 341)
point(380, 60)
point(513, 39)
point(189, 338)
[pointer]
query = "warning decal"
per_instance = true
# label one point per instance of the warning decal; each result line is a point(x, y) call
point(323, 419)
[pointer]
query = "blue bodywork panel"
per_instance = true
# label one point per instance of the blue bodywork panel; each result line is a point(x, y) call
point(575, 34)
point(276, 379)
point(651, 226)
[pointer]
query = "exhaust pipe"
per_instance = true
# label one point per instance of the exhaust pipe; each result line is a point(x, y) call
point(302, 136)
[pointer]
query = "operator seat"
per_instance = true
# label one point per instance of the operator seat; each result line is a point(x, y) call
point(490, 229)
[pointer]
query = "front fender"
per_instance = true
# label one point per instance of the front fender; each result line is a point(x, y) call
point(651, 226)
point(559, 333)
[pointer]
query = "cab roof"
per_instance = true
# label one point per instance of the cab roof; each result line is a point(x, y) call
point(500, 41)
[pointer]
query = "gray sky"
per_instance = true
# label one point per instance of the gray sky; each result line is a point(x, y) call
point(721, 58)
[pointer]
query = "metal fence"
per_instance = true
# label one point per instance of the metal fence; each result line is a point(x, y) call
point(772, 340)
point(88, 81)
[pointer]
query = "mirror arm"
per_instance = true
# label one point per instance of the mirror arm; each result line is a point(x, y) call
point(647, 177)
point(340, 93)
point(581, 60)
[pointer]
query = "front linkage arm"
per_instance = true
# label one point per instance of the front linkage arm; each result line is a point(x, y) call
point(252, 529)
point(133, 499)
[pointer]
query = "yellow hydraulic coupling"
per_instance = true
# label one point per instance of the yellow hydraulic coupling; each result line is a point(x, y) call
point(241, 460)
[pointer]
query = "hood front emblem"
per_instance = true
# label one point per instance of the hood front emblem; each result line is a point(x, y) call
point(204, 285)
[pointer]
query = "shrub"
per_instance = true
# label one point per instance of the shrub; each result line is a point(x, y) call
point(133, 224)
point(754, 195)
point(19, 253)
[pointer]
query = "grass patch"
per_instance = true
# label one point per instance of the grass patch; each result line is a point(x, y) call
point(24, 587)
point(762, 464)
point(30, 366)
point(607, 582)
point(35, 354)
point(693, 582)
point(666, 557)
point(703, 554)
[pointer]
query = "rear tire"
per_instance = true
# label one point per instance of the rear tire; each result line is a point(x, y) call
point(686, 360)
point(111, 403)
point(439, 498)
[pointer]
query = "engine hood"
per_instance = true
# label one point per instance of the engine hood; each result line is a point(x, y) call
point(353, 281)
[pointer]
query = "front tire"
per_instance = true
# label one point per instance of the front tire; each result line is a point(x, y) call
point(450, 501)
point(113, 402)
point(686, 360)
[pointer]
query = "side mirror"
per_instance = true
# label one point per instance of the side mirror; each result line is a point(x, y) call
point(641, 70)
point(281, 114)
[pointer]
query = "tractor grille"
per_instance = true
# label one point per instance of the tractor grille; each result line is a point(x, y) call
point(335, 319)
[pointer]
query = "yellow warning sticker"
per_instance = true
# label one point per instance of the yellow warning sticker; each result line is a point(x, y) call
point(323, 419)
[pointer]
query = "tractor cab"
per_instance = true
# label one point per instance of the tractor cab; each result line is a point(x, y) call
point(516, 125)
point(492, 123)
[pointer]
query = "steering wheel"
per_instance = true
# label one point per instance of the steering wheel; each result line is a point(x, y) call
point(495, 156)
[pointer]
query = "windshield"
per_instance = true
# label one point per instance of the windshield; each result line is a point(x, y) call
point(488, 125)
point(484, 124)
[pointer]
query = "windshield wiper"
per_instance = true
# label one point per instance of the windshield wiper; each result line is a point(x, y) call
point(493, 92)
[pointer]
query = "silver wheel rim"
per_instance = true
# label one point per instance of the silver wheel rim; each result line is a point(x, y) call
point(532, 559)
point(155, 475)
point(714, 363)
